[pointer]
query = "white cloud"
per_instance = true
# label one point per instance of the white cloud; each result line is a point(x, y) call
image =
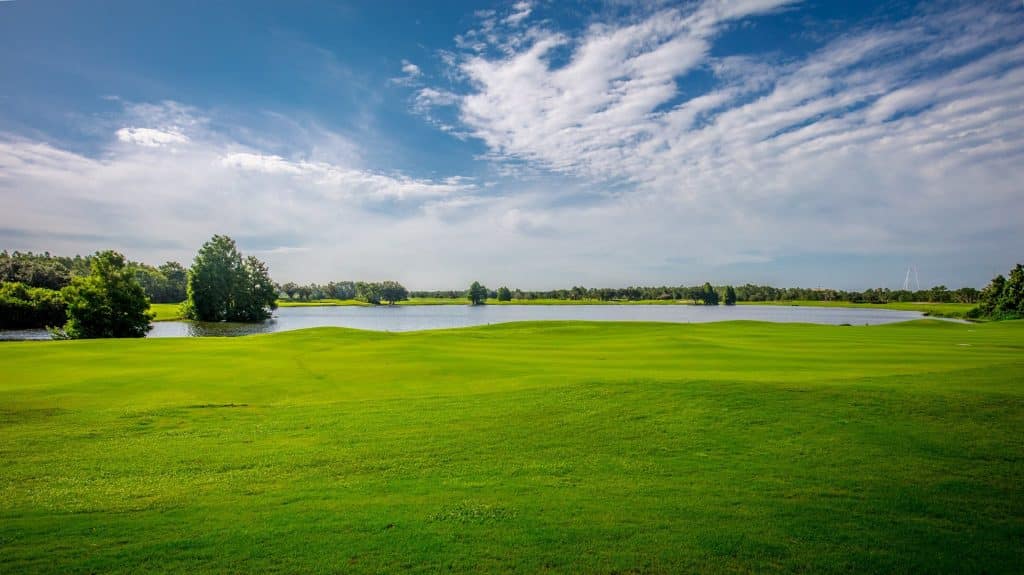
point(521, 11)
point(904, 138)
point(411, 74)
point(151, 137)
point(430, 97)
point(896, 141)
point(410, 69)
point(260, 163)
point(155, 205)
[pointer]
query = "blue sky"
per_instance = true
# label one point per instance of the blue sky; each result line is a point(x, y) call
point(529, 144)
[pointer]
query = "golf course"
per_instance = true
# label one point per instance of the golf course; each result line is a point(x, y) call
point(561, 447)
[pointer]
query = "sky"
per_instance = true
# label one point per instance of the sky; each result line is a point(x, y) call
point(533, 144)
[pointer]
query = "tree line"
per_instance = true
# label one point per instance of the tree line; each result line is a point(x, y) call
point(708, 293)
point(163, 284)
point(105, 295)
point(389, 292)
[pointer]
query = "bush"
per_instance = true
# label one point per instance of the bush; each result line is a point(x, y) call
point(1003, 298)
point(109, 302)
point(504, 294)
point(23, 307)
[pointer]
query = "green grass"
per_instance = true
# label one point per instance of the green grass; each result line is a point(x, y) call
point(736, 447)
point(166, 311)
point(932, 309)
point(320, 303)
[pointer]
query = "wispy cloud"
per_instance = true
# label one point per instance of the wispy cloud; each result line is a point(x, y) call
point(648, 148)
point(896, 136)
point(151, 137)
point(410, 74)
point(153, 184)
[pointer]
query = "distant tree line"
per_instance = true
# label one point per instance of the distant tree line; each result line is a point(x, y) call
point(81, 295)
point(311, 292)
point(389, 292)
point(724, 294)
point(370, 292)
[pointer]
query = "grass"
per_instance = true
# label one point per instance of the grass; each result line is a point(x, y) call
point(166, 311)
point(931, 309)
point(320, 303)
point(533, 447)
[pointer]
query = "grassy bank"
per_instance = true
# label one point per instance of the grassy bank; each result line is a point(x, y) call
point(933, 309)
point(533, 447)
point(320, 303)
point(166, 311)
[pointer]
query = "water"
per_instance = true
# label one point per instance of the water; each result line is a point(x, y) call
point(413, 318)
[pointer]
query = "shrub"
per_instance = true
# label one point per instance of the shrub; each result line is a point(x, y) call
point(23, 307)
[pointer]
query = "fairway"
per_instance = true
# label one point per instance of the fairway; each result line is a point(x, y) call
point(529, 447)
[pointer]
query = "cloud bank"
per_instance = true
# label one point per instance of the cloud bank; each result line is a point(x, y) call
point(632, 150)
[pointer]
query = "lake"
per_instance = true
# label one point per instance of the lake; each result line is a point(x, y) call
point(420, 317)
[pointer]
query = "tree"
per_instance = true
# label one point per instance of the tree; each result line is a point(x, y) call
point(255, 294)
point(22, 306)
point(710, 296)
point(368, 292)
point(730, 295)
point(392, 291)
point(35, 270)
point(342, 290)
point(1011, 301)
point(290, 289)
point(477, 294)
point(109, 302)
point(1002, 298)
point(224, 287)
point(177, 281)
point(504, 294)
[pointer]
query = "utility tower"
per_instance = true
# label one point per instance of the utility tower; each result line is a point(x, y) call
point(906, 281)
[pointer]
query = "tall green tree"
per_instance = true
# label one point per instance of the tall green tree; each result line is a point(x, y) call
point(1002, 298)
point(177, 281)
point(109, 302)
point(730, 295)
point(368, 292)
point(709, 295)
point(342, 290)
point(222, 286)
point(35, 270)
point(504, 294)
point(255, 294)
point(477, 294)
point(392, 292)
